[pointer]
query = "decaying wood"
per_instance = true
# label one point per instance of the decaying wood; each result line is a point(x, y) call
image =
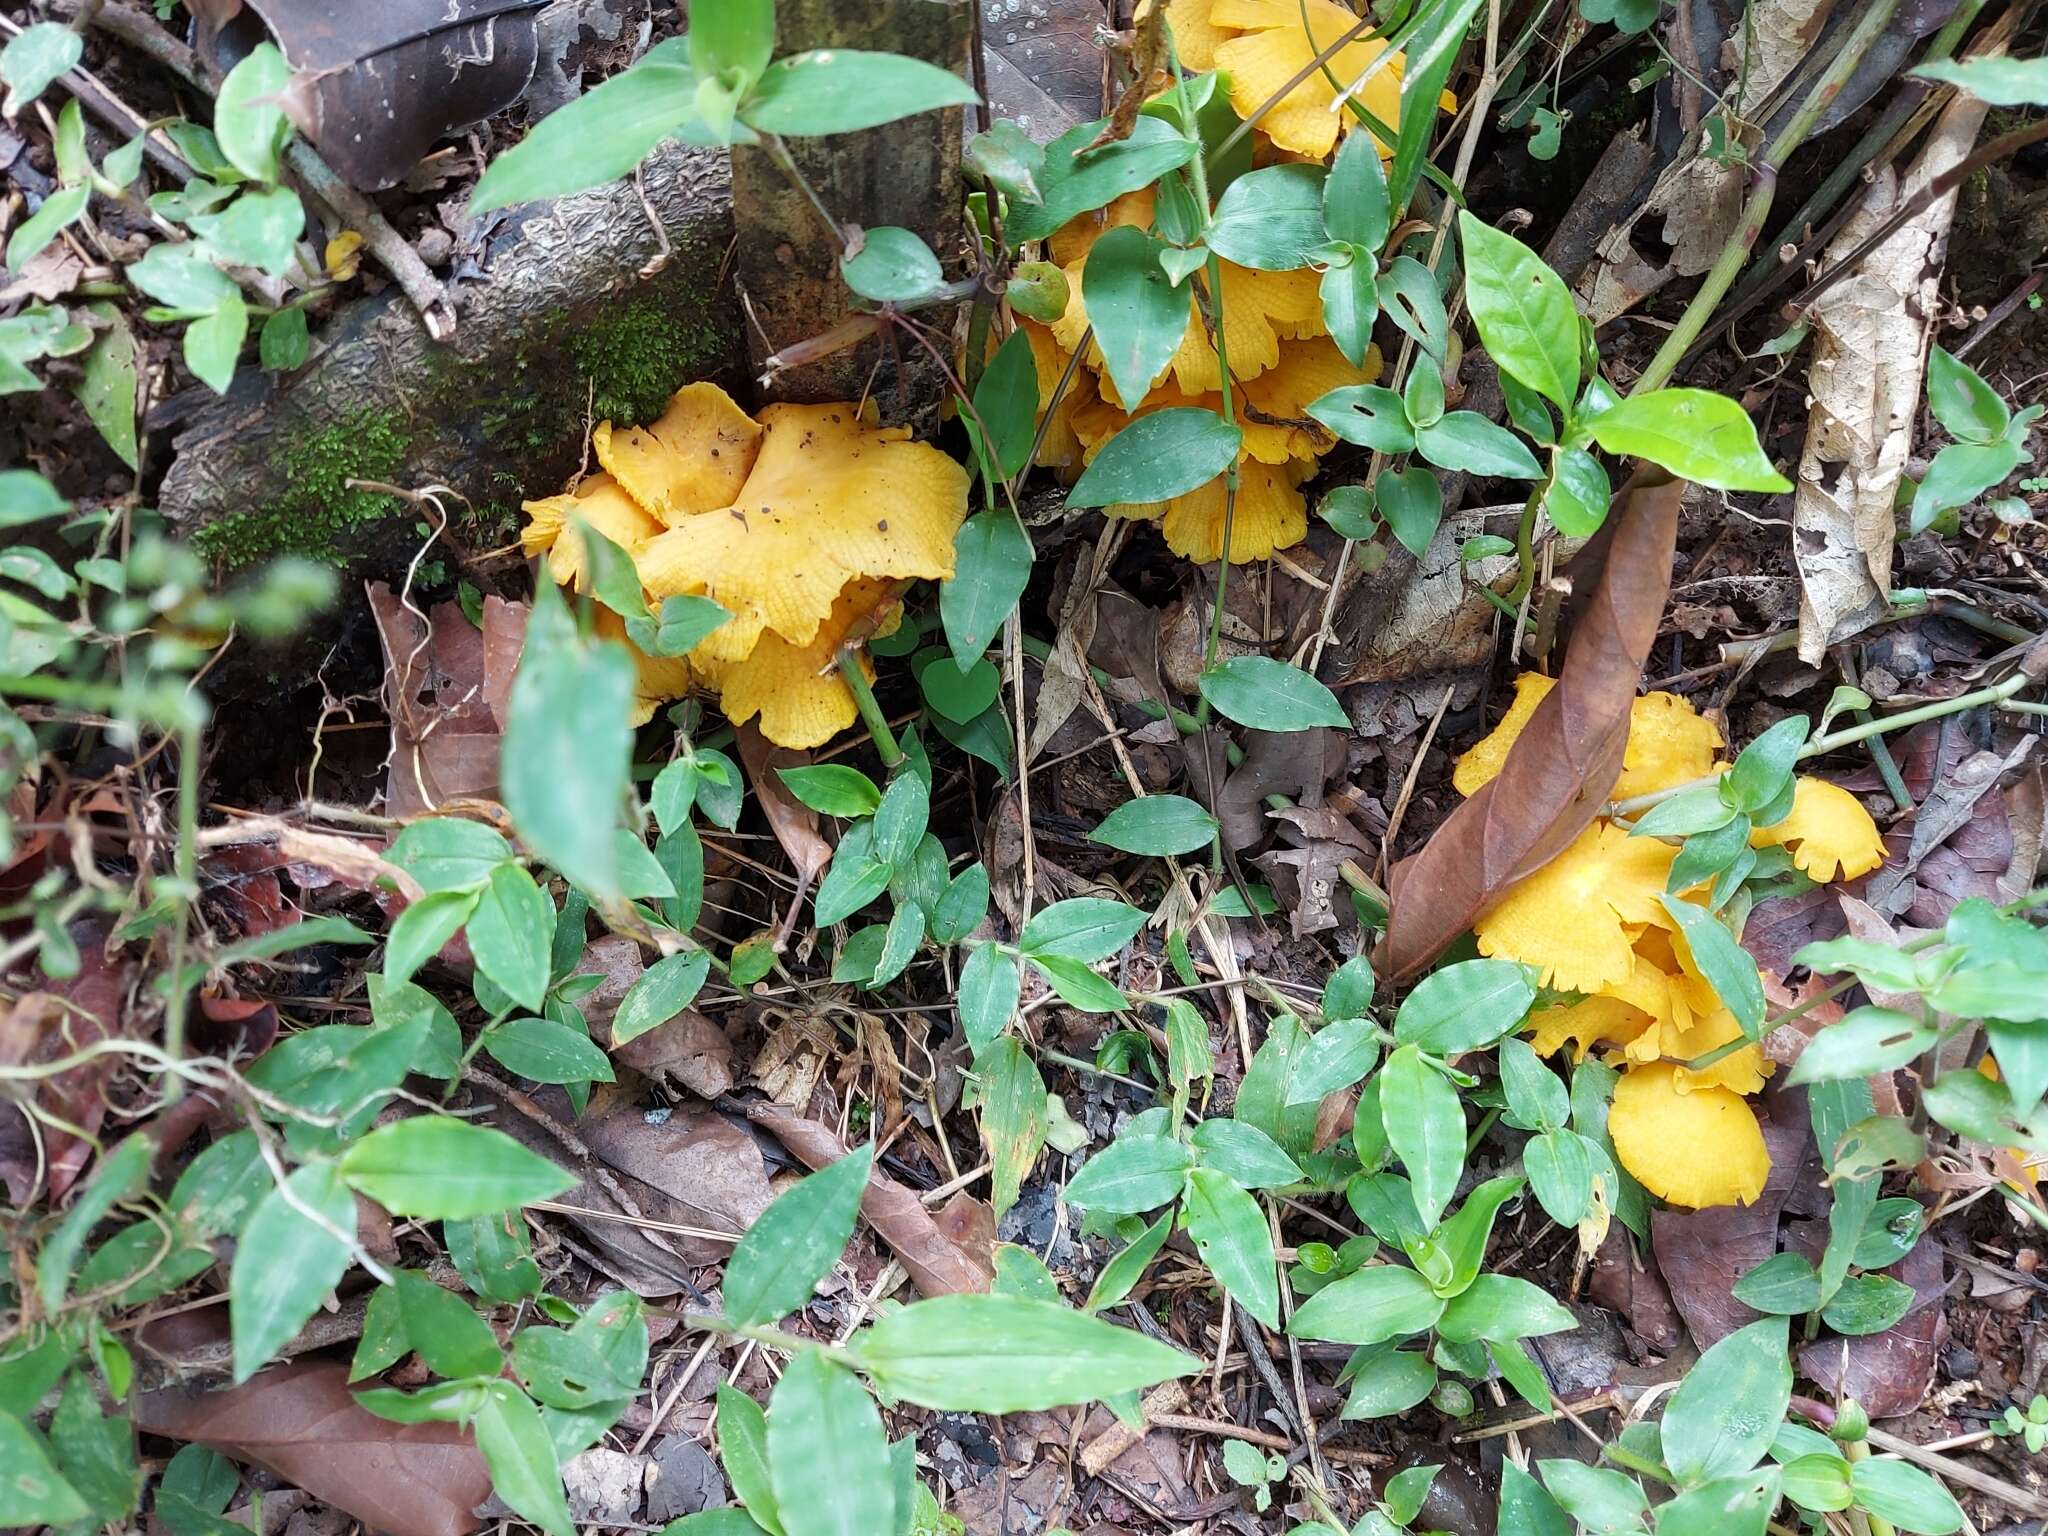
point(1869, 356)
point(905, 173)
point(603, 297)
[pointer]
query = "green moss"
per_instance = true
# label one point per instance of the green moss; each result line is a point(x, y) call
point(639, 354)
point(318, 510)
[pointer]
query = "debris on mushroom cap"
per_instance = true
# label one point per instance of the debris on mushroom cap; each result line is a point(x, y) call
point(806, 524)
point(1694, 1149)
point(599, 501)
point(1830, 835)
point(1568, 919)
point(1277, 54)
point(830, 499)
point(694, 458)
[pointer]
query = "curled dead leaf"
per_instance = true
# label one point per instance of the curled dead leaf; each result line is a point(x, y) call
point(1560, 770)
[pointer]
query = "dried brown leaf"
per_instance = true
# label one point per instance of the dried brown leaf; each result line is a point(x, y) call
point(795, 825)
point(302, 1423)
point(689, 1050)
point(1560, 770)
point(937, 1265)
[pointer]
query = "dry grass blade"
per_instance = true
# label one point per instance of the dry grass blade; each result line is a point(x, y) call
point(1561, 768)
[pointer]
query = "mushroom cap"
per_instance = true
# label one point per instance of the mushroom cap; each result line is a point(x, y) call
point(1278, 49)
point(830, 500)
point(1571, 918)
point(598, 500)
point(1669, 743)
point(1830, 835)
point(1271, 513)
point(692, 459)
point(1696, 1149)
point(796, 690)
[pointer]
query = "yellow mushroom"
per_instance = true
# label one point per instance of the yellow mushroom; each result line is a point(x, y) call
point(1830, 835)
point(1573, 918)
point(1276, 55)
point(1696, 1149)
point(694, 458)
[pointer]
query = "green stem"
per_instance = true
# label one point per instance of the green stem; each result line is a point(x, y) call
point(1622, 1456)
point(1728, 266)
point(1525, 544)
point(870, 712)
point(185, 868)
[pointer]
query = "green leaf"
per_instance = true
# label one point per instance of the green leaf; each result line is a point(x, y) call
point(1230, 1232)
point(743, 1450)
point(1270, 695)
point(892, 266)
point(494, 1257)
point(1865, 1042)
point(1074, 185)
point(566, 762)
point(1158, 455)
point(423, 928)
point(961, 906)
point(2001, 81)
point(1138, 314)
point(1127, 1266)
point(121, 1174)
point(1696, 434)
point(1466, 1005)
point(1269, 220)
point(248, 123)
point(1523, 310)
point(1349, 991)
point(662, 991)
point(1410, 294)
point(213, 343)
point(1245, 1153)
point(901, 819)
point(793, 1243)
point(989, 987)
point(1579, 494)
point(1389, 1381)
point(26, 497)
point(1412, 502)
point(1156, 824)
point(1431, 54)
point(1133, 1174)
point(1961, 473)
point(1763, 771)
point(547, 1052)
point(1867, 1304)
point(1729, 968)
point(1466, 440)
point(1912, 1500)
point(296, 1245)
point(59, 211)
point(35, 1493)
point(828, 1459)
point(1355, 205)
point(33, 58)
point(1078, 986)
point(1082, 928)
point(511, 934)
point(1728, 1506)
point(1008, 159)
point(449, 853)
point(258, 229)
point(1603, 1501)
point(1426, 1126)
point(1526, 1508)
point(1962, 402)
point(1423, 396)
point(436, 1168)
point(991, 565)
point(452, 1340)
point(1785, 1284)
point(832, 789)
point(95, 1452)
point(1008, 1354)
point(737, 35)
point(1819, 1483)
point(1006, 400)
point(1013, 1117)
point(600, 136)
point(840, 90)
point(1370, 415)
point(1559, 1164)
point(1721, 1419)
point(1350, 294)
point(1536, 1099)
point(1370, 1306)
point(515, 1445)
point(1500, 1309)
point(284, 343)
point(1336, 1056)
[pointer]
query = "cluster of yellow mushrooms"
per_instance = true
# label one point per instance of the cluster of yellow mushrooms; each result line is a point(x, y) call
point(1589, 922)
point(807, 522)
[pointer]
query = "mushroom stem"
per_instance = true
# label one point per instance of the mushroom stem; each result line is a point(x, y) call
point(870, 712)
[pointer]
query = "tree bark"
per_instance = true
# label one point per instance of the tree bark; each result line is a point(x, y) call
point(905, 173)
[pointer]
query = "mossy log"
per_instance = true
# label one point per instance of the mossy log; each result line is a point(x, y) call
point(585, 312)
